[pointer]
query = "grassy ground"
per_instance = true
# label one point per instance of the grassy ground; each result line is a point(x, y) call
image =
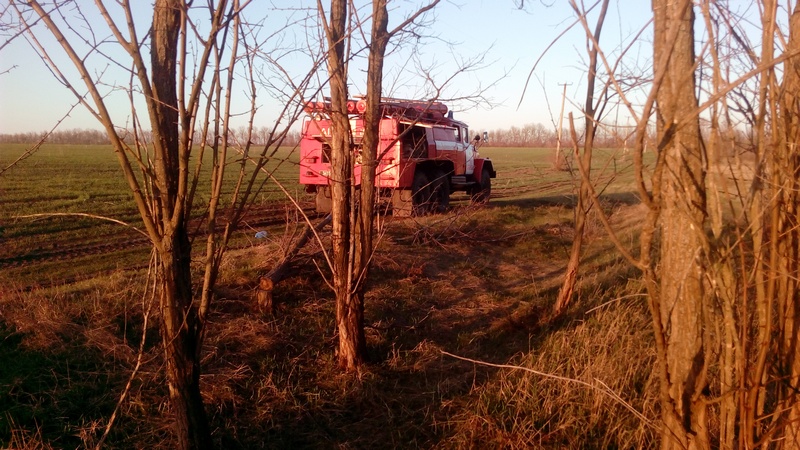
point(41, 250)
point(477, 283)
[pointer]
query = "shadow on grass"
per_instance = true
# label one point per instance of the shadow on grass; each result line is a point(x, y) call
point(483, 292)
point(52, 393)
point(568, 200)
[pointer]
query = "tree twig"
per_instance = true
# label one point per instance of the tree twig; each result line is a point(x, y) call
point(602, 388)
point(91, 216)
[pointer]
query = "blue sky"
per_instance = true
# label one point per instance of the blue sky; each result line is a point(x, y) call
point(32, 100)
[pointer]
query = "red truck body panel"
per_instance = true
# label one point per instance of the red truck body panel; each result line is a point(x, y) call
point(413, 134)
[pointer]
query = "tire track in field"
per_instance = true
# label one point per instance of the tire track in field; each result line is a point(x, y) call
point(108, 245)
point(68, 252)
point(553, 186)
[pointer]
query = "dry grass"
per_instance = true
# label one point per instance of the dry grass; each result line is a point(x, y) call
point(605, 398)
point(475, 282)
point(67, 354)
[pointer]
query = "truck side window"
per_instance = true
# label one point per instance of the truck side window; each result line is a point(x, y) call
point(326, 153)
point(414, 142)
point(446, 134)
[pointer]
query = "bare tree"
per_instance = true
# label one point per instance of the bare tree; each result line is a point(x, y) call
point(188, 99)
point(723, 301)
point(585, 201)
point(679, 196)
point(349, 312)
point(771, 360)
point(719, 242)
point(353, 203)
point(788, 230)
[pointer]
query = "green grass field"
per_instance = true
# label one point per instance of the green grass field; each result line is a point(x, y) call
point(73, 179)
point(477, 282)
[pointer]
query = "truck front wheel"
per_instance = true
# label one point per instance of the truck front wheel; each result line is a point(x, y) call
point(483, 189)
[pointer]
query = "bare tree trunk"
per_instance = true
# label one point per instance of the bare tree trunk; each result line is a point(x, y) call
point(181, 334)
point(364, 228)
point(584, 166)
point(159, 177)
point(181, 330)
point(753, 403)
point(353, 209)
point(787, 163)
point(727, 345)
point(349, 307)
point(681, 291)
point(369, 150)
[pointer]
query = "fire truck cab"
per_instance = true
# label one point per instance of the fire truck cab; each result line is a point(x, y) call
point(424, 156)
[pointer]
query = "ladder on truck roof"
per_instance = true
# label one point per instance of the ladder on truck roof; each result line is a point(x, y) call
point(421, 109)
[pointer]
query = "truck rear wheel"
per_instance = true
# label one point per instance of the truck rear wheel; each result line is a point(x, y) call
point(440, 196)
point(402, 203)
point(421, 193)
point(322, 201)
point(483, 189)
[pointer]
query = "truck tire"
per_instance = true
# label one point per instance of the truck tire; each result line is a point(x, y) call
point(402, 203)
point(322, 201)
point(440, 195)
point(483, 189)
point(421, 193)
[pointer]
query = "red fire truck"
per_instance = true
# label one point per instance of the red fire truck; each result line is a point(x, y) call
point(424, 155)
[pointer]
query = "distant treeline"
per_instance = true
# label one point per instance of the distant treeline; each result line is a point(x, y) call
point(532, 135)
point(92, 137)
point(732, 140)
point(538, 135)
point(75, 136)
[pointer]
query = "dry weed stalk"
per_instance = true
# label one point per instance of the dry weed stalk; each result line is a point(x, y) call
point(280, 269)
point(596, 384)
point(36, 146)
point(148, 300)
point(91, 216)
point(535, 403)
point(458, 225)
point(21, 439)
